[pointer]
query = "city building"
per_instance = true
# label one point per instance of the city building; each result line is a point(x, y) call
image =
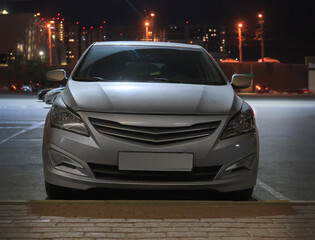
point(212, 38)
point(20, 38)
point(56, 41)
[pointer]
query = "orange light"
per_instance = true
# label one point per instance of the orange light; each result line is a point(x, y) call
point(48, 25)
point(258, 87)
point(240, 25)
point(152, 14)
point(38, 14)
point(260, 15)
point(147, 24)
point(14, 87)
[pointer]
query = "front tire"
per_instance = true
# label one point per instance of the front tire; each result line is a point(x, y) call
point(57, 192)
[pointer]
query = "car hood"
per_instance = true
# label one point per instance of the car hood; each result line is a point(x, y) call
point(150, 98)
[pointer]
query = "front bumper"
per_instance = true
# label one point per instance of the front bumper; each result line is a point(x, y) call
point(104, 150)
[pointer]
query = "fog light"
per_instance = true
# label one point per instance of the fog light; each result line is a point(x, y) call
point(245, 163)
point(66, 164)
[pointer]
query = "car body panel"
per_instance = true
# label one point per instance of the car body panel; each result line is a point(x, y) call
point(158, 98)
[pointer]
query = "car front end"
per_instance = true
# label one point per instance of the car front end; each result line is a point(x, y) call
point(150, 135)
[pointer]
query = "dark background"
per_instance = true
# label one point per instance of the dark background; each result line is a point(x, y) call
point(289, 24)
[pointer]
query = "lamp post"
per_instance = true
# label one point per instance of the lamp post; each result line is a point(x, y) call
point(152, 27)
point(49, 42)
point(240, 25)
point(147, 31)
point(262, 46)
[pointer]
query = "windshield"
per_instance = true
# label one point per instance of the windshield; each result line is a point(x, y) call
point(149, 64)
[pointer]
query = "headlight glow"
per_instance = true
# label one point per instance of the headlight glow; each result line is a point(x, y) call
point(62, 117)
point(242, 122)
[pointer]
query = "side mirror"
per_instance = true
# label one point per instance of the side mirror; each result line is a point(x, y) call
point(241, 81)
point(56, 75)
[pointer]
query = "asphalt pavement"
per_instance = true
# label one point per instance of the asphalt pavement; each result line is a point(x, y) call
point(287, 159)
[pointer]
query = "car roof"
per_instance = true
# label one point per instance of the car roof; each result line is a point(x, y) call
point(144, 43)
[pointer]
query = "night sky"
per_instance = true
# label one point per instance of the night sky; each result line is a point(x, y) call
point(289, 25)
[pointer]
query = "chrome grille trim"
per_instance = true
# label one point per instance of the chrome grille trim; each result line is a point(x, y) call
point(154, 135)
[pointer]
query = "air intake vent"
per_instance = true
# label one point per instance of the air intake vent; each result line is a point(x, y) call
point(112, 173)
point(155, 135)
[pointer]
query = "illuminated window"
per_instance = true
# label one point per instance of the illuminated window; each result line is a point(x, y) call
point(71, 40)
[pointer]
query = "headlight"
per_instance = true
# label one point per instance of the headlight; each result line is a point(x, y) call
point(242, 122)
point(63, 118)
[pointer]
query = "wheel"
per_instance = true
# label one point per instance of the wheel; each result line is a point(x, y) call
point(242, 195)
point(57, 192)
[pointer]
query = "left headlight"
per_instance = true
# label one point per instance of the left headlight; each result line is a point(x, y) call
point(242, 122)
point(62, 117)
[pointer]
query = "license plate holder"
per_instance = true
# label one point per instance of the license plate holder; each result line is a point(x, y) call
point(148, 161)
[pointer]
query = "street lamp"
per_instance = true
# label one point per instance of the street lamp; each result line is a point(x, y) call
point(49, 41)
point(262, 46)
point(41, 54)
point(147, 31)
point(152, 25)
point(240, 25)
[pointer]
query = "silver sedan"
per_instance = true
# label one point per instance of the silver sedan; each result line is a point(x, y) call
point(149, 115)
point(51, 95)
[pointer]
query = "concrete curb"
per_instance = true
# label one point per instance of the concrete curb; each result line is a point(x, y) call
point(182, 202)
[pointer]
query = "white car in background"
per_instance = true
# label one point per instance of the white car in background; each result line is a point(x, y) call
point(52, 95)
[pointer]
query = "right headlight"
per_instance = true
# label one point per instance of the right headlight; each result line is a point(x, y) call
point(243, 122)
point(62, 117)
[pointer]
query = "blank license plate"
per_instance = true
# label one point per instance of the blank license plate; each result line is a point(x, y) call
point(135, 161)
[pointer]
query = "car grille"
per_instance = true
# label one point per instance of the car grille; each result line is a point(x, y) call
point(112, 173)
point(155, 135)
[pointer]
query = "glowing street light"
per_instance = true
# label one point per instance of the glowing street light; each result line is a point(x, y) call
point(262, 46)
point(152, 14)
point(49, 41)
point(41, 54)
point(240, 25)
point(147, 31)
